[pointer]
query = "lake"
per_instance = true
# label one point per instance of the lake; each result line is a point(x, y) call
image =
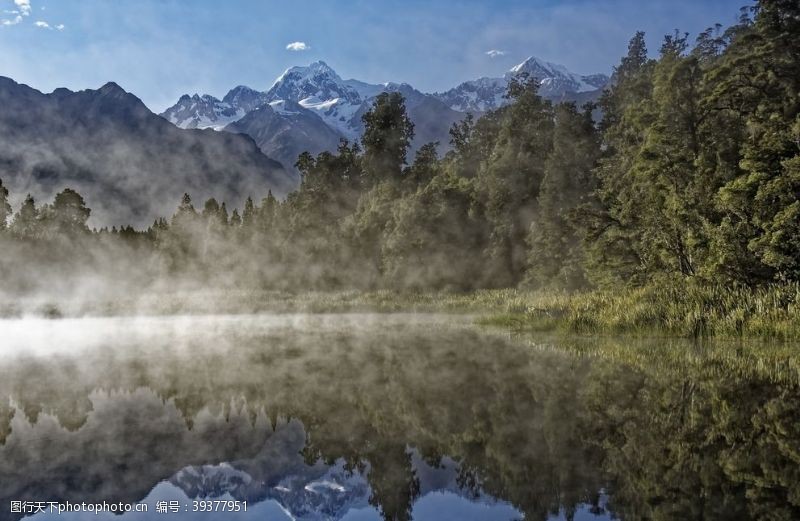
point(394, 416)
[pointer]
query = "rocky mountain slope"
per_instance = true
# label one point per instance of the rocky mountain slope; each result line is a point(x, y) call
point(285, 129)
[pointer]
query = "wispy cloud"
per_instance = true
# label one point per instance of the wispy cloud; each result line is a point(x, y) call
point(494, 53)
point(41, 24)
point(23, 8)
point(298, 46)
point(12, 21)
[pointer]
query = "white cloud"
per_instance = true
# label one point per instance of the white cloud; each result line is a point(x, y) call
point(14, 21)
point(24, 7)
point(494, 53)
point(41, 24)
point(298, 46)
point(60, 27)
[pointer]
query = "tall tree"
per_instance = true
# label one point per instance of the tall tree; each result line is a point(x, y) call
point(236, 219)
point(249, 213)
point(510, 179)
point(613, 233)
point(25, 223)
point(556, 257)
point(674, 199)
point(388, 132)
point(758, 80)
point(67, 215)
point(424, 168)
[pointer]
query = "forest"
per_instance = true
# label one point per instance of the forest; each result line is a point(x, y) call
point(690, 175)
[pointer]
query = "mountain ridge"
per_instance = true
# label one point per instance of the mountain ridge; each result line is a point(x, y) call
point(130, 164)
point(340, 103)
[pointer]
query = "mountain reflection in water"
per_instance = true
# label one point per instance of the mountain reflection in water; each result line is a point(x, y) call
point(391, 417)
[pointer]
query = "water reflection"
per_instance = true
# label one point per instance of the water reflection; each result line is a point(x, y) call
point(388, 417)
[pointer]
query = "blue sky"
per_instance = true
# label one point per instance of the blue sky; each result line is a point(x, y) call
point(160, 49)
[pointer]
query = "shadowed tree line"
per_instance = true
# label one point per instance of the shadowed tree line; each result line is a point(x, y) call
point(692, 173)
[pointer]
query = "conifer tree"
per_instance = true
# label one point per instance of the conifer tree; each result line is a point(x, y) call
point(388, 132)
point(249, 213)
point(611, 220)
point(509, 181)
point(67, 215)
point(556, 256)
point(236, 220)
point(25, 223)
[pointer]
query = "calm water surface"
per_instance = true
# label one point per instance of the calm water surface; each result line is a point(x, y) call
point(369, 417)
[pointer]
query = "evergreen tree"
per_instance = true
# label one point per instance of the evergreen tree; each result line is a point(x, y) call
point(758, 81)
point(222, 215)
point(67, 215)
point(611, 220)
point(674, 199)
point(556, 257)
point(425, 166)
point(510, 179)
point(388, 132)
point(267, 212)
point(249, 213)
point(211, 210)
point(25, 223)
point(236, 220)
point(185, 214)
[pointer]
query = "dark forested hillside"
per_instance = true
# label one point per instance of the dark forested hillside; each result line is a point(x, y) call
point(130, 163)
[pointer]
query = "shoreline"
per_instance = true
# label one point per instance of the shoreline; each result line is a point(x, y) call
point(685, 310)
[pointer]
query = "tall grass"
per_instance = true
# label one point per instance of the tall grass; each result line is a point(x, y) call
point(681, 309)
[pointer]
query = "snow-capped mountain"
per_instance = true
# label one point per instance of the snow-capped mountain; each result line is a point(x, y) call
point(556, 83)
point(341, 103)
point(555, 80)
point(317, 80)
point(309, 108)
point(209, 112)
point(280, 119)
point(317, 87)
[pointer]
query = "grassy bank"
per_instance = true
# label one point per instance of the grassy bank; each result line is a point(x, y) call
point(688, 310)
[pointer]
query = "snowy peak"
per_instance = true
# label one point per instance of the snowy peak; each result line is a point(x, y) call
point(316, 82)
point(555, 79)
point(209, 112)
point(534, 65)
point(317, 87)
point(556, 82)
point(340, 103)
point(200, 112)
point(318, 68)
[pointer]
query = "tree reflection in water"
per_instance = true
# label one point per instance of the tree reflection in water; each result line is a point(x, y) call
point(393, 408)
